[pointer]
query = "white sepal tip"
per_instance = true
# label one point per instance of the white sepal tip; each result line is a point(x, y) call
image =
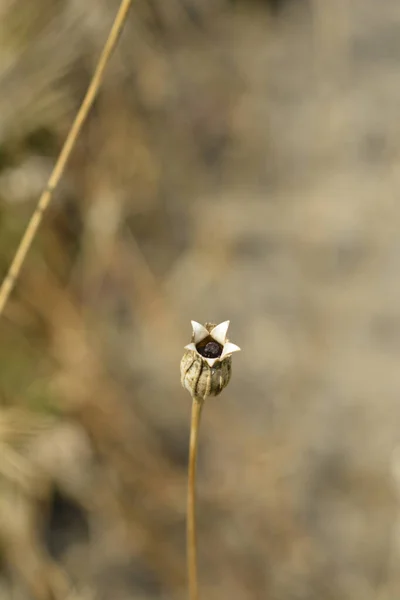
point(199, 332)
point(219, 332)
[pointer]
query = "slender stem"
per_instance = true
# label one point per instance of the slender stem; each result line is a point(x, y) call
point(197, 406)
point(45, 198)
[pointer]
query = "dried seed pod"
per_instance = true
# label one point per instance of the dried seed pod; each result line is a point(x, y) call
point(206, 363)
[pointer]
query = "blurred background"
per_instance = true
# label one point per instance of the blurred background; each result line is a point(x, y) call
point(241, 162)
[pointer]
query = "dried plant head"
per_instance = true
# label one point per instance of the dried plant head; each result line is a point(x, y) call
point(207, 361)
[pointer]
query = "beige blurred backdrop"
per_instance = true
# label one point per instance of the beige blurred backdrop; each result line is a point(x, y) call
point(241, 162)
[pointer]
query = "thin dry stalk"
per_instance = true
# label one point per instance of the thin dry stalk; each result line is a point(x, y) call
point(197, 406)
point(45, 199)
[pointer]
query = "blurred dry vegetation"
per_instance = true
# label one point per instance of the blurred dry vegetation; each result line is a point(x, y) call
point(241, 162)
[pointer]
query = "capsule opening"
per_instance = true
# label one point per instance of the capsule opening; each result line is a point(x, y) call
point(209, 348)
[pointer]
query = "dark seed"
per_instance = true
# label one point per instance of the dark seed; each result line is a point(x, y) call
point(211, 350)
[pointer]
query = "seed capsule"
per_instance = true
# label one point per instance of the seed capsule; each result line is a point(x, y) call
point(207, 361)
